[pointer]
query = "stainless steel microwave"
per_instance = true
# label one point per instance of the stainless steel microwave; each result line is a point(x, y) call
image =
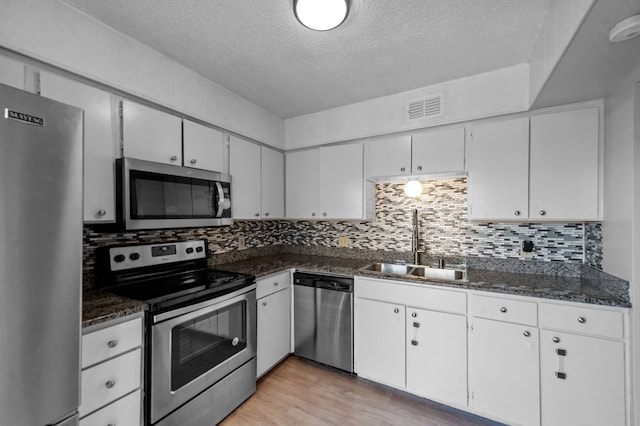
point(154, 196)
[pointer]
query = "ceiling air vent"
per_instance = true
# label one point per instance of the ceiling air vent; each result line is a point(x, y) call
point(431, 106)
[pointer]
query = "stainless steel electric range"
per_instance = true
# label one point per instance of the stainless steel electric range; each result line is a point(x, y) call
point(200, 329)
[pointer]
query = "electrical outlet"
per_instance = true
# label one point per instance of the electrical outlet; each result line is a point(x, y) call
point(242, 243)
point(343, 241)
point(526, 249)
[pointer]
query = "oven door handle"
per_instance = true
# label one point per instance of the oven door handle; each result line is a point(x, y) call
point(216, 303)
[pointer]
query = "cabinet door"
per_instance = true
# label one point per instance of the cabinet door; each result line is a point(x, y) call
point(244, 167)
point(99, 142)
point(203, 147)
point(341, 186)
point(504, 371)
point(272, 188)
point(564, 165)
point(437, 356)
point(499, 170)
point(582, 380)
point(302, 168)
point(12, 73)
point(438, 151)
point(150, 134)
point(388, 156)
point(379, 332)
point(274, 325)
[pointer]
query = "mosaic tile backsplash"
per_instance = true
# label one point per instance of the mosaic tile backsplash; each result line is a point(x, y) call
point(444, 231)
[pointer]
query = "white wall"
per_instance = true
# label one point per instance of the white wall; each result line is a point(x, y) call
point(621, 224)
point(59, 35)
point(497, 92)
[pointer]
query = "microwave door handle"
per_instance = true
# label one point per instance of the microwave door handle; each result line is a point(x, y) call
point(221, 200)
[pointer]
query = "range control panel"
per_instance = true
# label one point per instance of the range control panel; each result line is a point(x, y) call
point(129, 257)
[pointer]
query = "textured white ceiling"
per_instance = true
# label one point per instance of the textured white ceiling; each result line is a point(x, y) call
point(257, 49)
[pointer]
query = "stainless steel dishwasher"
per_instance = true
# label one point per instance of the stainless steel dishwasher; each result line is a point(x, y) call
point(323, 318)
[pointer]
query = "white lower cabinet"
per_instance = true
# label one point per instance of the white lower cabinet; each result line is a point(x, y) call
point(504, 372)
point(274, 320)
point(112, 373)
point(582, 375)
point(524, 361)
point(437, 356)
point(379, 331)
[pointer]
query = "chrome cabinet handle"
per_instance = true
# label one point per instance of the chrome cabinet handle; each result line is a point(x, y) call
point(313, 214)
point(324, 213)
point(517, 213)
point(526, 334)
point(542, 212)
point(503, 310)
point(396, 310)
point(275, 283)
point(257, 215)
point(174, 158)
point(582, 320)
point(194, 161)
point(101, 212)
point(556, 339)
point(402, 169)
point(112, 343)
point(110, 384)
point(414, 314)
point(419, 167)
point(267, 214)
point(264, 303)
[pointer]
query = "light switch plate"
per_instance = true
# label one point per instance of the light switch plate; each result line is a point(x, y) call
point(343, 241)
point(242, 243)
point(525, 254)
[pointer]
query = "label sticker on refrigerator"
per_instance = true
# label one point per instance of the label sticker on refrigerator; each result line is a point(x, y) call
point(22, 117)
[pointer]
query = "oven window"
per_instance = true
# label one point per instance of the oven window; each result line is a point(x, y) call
point(202, 343)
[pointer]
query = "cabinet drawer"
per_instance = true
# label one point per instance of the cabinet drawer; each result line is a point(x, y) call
point(419, 296)
point(110, 380)
point(273, 283)
point(111, 341)
point(509, 310)
point(582, 319)
point(125, 412)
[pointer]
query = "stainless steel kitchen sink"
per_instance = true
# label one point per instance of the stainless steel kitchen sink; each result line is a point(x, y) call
point(419, 271)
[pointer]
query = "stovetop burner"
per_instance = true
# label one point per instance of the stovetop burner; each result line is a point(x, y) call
point(164, 275)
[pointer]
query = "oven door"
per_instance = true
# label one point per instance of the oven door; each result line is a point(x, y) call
point(194, 347)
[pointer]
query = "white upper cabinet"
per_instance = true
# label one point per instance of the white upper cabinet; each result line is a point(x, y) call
point(499, 170)
point(203, 147)
point(99, 142)
point(150, 134)
point(11, 73)
point(388, 157)
point(438, 151)
point(325, 183)
point(257, 181)
point(272, 184)
point(564, 166)
point(434, 151)
point(244, 167)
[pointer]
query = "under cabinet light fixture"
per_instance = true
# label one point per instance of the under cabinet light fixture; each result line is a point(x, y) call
point(321, 15)
point(413, 188)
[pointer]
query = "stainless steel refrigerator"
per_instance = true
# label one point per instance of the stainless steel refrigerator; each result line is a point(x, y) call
point(40, 259)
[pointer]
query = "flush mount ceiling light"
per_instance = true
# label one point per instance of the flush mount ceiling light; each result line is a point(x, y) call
point(321, 15)
point(625, 29)
point(413, 188)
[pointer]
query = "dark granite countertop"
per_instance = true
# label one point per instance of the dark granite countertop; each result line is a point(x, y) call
point(99, 307)
point(575, 283)
point(548, 280)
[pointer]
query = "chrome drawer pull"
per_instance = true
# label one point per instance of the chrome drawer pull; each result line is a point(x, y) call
point(112, 343)
point(582, 320)
point(527, 333)
point(414, 314)
point(556, 339)
point(503, 310)
point(396, 310)
point(110, 384)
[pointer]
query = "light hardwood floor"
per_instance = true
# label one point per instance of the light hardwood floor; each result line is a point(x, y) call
point(301, 392)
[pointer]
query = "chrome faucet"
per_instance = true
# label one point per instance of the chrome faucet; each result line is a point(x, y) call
point(414, 240)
